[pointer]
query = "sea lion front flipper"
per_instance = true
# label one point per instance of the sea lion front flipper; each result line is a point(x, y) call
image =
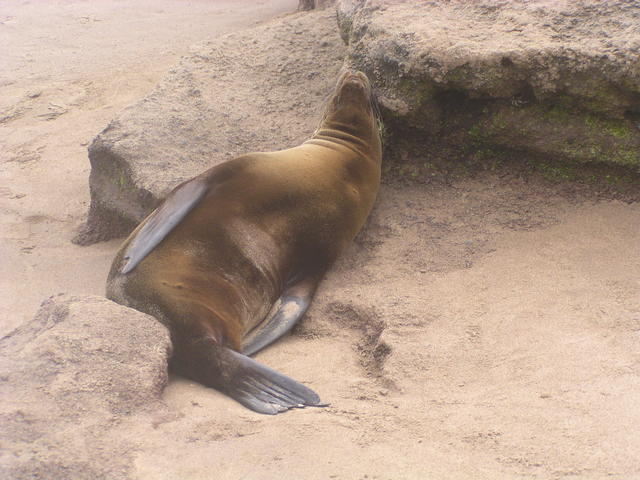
point(292, 305)
point(263, 389)
point(164, 219)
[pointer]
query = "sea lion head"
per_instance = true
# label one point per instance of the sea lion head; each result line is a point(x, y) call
point(352, 112)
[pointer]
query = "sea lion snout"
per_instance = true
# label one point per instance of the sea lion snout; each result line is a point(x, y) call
point(353, 88)
point(353, 78)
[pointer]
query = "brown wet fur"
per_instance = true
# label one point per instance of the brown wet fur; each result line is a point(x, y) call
point(268, 219)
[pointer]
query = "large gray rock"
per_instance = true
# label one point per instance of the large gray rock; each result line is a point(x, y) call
point(69, 378)
point(257, 90)
point(550, 79)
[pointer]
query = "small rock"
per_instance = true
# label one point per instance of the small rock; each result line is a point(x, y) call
point(78, 369)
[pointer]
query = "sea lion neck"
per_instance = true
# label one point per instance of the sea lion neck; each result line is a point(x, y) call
point(350, 119)
point(332, 136)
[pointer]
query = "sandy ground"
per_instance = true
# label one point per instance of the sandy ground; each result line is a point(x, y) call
point(487, 328)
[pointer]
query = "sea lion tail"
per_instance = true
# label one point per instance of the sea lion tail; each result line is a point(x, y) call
point(265, 390)
point(250, 383)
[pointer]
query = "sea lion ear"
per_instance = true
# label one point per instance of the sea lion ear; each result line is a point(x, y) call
point(164, 219)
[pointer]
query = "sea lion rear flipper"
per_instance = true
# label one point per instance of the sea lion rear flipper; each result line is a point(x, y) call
point(292, 305)
point(262, 389)
point(164, 219)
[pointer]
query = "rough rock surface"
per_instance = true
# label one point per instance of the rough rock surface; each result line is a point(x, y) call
point(548, 79)
point(70, 380)
point(216, 104)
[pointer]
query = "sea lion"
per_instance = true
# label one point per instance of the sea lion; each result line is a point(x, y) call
point(231, 259)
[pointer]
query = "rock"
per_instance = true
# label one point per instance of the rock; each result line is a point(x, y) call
point(544, 79)
point(69, 378)
point(346, 11)
point(259, 89)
